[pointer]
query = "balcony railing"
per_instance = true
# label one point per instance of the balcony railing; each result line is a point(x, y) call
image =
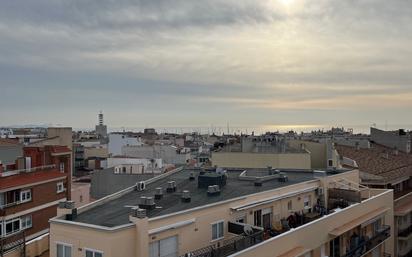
point(16, 172)
point(405, 232)
point(369, 244)
point(228, 247)
point(12, 242)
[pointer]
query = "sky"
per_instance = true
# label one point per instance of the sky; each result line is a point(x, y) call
point(290, 63)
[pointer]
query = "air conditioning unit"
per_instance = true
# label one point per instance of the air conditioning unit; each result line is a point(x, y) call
point(140, 186)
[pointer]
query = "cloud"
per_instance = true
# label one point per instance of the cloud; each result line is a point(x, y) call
point(307, 57)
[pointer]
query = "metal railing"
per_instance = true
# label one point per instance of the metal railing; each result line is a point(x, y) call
point(16, 172)
point(369, 244)
point(227, 247)
point(13, 242)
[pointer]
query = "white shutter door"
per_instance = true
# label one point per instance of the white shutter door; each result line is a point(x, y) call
point(168, 247)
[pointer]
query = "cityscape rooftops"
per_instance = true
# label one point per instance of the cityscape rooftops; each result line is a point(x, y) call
point(116, 211)
point(385, 164)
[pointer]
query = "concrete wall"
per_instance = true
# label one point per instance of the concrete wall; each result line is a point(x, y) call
point(167, 153)
point(64, 134)
point(80, 193)
point(111, 162)
point(117, 141)
point(105, 182)
point(392, 139)
point(261, 160)
point(317, 152)
point(34, 248)
point(9, 153)
point(95, 152)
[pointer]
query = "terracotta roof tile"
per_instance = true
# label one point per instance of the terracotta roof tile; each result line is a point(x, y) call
point(379, 160)
point(29, 178)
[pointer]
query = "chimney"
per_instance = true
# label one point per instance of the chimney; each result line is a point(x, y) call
point(186, 196)
point(159, 193)
point(258, 182)
point(213, 190)
point(171, 186)
point(138, 213)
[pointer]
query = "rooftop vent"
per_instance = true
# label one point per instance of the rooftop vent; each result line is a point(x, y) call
point(283, 177)
point(212, 178)
point(171, 186)
point(192, 176)
point(147, 203)
point(140, 186)
point(138, 213)
point(213, 190)
point(258, 183)
point(186, 196)
point(159, 193)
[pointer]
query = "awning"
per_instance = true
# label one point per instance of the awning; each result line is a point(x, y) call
point(297, 251)
point(364, 219)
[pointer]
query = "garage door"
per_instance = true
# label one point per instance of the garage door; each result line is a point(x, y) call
point(164, 248)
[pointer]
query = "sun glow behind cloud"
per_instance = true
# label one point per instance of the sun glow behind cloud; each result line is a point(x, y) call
point(264, 58)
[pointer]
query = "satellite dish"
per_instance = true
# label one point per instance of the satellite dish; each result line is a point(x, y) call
point(248, 230)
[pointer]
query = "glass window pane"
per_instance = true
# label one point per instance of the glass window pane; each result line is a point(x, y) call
point(67, 251)
point(214, 231)
point(98, 255)
point(220, 229)
point(59, 251)
point(89, 253)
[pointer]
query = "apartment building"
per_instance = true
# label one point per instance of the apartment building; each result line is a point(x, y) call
point(235, 212)
point(385, 167)
point(30, 190)
point(398, 139)
point(261, 152)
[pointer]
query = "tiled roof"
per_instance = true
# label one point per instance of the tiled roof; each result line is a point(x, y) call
point(379, 161)
point(29, 178)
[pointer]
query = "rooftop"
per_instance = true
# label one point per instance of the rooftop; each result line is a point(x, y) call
point(116, 212)
point(382, 162)
point(25, 178)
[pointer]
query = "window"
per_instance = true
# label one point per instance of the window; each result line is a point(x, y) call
point(93, 253)
point(12, 226)
point(25, 196)
point(289, 205)
point(218, 230)
point(241, 219)
point(64, 250)
point(26, 222)
point(61, 165)
point(330, 162)
point(306, 201)
point(60, 187)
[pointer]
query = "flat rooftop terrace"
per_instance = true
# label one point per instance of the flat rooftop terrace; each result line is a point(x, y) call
point(116, 212)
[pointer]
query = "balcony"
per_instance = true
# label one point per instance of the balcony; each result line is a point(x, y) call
point(369, 244)
point(404, 233)
point(17, 172)
point(228, 247)
point(12, 242)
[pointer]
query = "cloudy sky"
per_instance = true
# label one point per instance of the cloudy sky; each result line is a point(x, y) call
point(197, 63)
